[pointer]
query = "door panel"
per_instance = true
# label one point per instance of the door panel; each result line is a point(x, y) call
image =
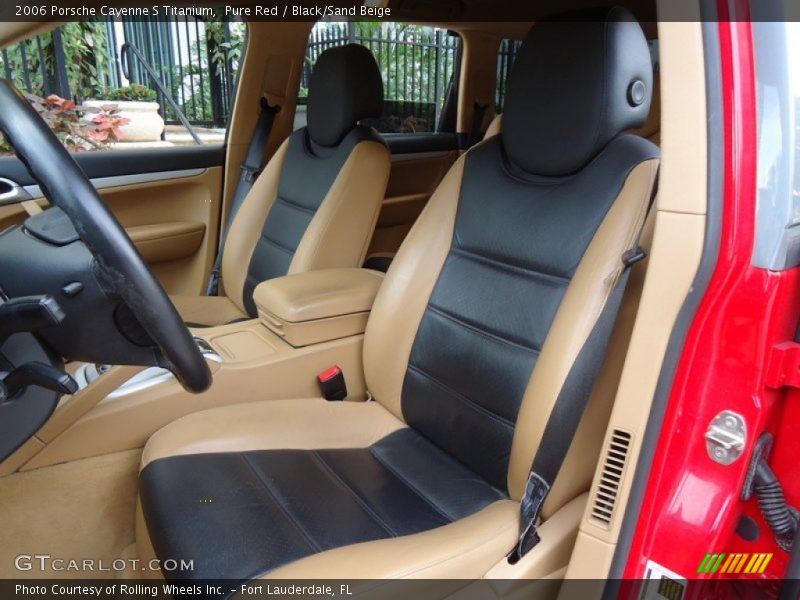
point(419, 162)
point(175, 223)
point(128, 162)
point(164, 242)
point(167, 199)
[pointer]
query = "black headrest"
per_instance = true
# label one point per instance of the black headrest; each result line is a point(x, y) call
point(579, 80)
point(345, 87)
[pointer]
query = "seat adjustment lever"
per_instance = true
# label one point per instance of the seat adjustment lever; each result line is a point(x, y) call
point(41, 375)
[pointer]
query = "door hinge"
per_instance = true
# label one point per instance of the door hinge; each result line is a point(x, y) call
point(783, 366)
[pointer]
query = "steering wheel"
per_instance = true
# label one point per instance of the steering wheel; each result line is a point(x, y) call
point(66, 186)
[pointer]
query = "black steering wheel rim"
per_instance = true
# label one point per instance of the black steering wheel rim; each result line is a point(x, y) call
point(66, 186)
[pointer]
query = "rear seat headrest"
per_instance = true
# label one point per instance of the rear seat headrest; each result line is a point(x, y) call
point(345, 87)
point(579, 79)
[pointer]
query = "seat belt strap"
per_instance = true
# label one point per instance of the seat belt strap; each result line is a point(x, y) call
point(570, 404)
point(251, 168)
point(476, 128)
point(565, 417)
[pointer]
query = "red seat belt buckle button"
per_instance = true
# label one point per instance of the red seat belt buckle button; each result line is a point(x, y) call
point(332, 384)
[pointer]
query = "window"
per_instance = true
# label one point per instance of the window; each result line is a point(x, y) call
point(417, 64)
point(653, 46)
point(505, 60)
point(91, 80)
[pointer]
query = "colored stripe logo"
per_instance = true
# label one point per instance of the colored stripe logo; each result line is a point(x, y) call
point(735, 563)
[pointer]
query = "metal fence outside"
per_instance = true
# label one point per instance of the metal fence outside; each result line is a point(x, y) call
point(416, 65)
point(196, 63)
point(505, 60)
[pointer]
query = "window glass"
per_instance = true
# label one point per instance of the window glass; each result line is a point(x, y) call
point(130, 83)
point(505, 60)
point(416, 63)
point(653, 45)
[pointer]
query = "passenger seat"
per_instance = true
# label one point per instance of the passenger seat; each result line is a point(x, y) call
point(316, 203)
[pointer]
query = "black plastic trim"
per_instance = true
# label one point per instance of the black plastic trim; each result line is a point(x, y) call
point(708, 261)
point(128, 162)
point(22, 415)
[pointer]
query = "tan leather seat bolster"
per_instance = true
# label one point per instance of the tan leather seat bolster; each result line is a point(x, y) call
point(273, 424)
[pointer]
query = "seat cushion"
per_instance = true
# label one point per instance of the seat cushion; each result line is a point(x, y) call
point(239, 514)
point(207, 311)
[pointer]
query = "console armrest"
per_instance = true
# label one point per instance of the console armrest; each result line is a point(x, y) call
point(317, 306)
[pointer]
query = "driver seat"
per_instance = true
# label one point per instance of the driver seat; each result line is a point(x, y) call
point(475, 328)
point(316, 203)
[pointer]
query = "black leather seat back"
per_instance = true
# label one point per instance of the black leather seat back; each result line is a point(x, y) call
point(530, 203)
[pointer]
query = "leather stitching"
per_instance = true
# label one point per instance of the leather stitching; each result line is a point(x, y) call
point(297, 525)
point(502, 265)
point(295, 205)
point(467, 401)
point(352, 493)
point(491, 335)
point(410, 486)
point(281, 247)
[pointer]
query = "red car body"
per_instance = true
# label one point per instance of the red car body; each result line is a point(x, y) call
point(739, 354)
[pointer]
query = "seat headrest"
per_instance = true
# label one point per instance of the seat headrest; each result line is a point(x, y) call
point(579, 80)
point(345, 87)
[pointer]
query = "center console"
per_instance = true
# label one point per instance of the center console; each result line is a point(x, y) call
point(318, 306)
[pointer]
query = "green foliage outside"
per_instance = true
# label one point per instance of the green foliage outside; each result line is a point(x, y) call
point(416, 64)
point(85, 50)
point(193, 92)
point(225, 50)
point(135, 92)
point(407, 57)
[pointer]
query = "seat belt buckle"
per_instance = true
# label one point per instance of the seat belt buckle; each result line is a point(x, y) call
point(331, 382)
point(633, 256)
point(536, 491)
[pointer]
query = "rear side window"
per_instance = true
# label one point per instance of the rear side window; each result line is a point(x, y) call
point(417, 64)
point(130, 83)
point(505, 60)
point(653, 46)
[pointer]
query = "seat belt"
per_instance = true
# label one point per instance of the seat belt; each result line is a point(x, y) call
point(571, 402)
point(251, 167)
point(475, 130)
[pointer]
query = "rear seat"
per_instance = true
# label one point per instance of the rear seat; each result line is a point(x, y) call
point(650, 130)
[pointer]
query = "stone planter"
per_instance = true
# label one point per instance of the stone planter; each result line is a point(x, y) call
point(145, 123)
